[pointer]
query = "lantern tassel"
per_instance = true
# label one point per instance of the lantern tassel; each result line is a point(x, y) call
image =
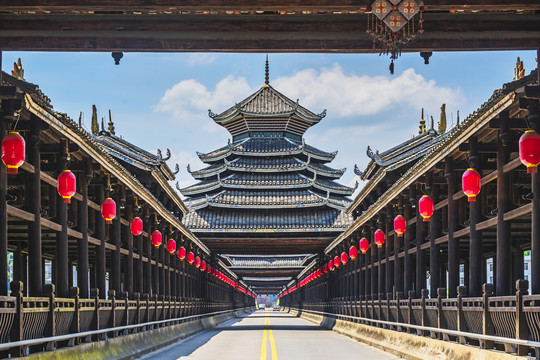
point(426, 219)
point(13, 170)
point(67, 200)
point(108, 221)
point(532, 169)
point(472, 198)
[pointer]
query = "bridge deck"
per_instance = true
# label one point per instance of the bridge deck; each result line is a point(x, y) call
point(286, 338)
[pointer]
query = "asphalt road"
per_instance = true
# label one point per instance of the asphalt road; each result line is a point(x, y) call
point(268, 335)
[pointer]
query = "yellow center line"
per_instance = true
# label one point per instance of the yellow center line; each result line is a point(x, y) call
point(272, 343)
point(263, 346)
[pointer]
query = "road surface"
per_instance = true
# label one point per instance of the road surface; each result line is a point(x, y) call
point(268, 335)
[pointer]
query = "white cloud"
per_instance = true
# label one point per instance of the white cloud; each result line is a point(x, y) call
point(352, 95)
point(201, 59)
point(190, 100)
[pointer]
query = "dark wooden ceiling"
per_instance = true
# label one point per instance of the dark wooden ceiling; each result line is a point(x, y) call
point(255, 25)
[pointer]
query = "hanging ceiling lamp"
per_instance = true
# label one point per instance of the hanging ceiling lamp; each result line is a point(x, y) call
point(353, 252)
point(13, 151)
point(391, 25)
point(67, 185)
point(529, 150)
point(108, 210)
point(379, 238)
point(156, 238)
point(471, 183)
point(364, 245)
point(425, 207)
point(400, 225)
point(136, 226)
point(171, 246)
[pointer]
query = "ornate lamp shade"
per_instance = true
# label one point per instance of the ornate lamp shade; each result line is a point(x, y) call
point(353, 252)
point(364, 245)
point(171, 246)
point(425, 207)
point(529, 150)
point(67, 185)
point(344, 258)
point(13, 151)
point(197, 262)
point(331, 265)
point(136, 226)
point(108, 210)
point(203, 265)
point(379, 237)
point(190, 258)
point(337, 261)
point(156, 238)
point(182, 253)
point(400, 225)
point(470, 182)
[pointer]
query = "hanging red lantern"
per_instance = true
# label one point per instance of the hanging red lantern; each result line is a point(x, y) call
point(190, 258)
point(336, 261)
point(136, 226)
point(425, 207)
point(400, 225)
point(364, 245)
point(182, 253)
point(331, 265)
point(13, 151)
point(208, 269)
point(203, 265)
point(344, 258)
point(197, 262)
point(171, 246)
point(325, 268)
point(529, 150)
point(470, 182)
point(379, 237)
point(156, 238)
point(353, 252)
point(67, 185)
point(108, 210)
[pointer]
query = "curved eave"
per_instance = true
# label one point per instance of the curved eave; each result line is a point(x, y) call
point(298, 185)
point(269, 230)
point(197, 189)
point(325, 156)
point(336, 174)
point(202, 174)
point(240, 113)
point(267, 206)
point(269, 153)
point(344, 191)
point(299, 167)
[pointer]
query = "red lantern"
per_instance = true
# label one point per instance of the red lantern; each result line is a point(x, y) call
point(108, 210)
point(182, 253)
point(344, 258)
point(331, 265)
point(470, 182)
point(197, 262)
point(325, 268)
point(208, 269)
point(171, 246)
point(425, 206)
point(364, 245)
point(136, 226)
point(13, 150)
point(336, 261)
point(379, 237)
point(400, 225)
point(156, 238)
point(203, 265)
point(353, 253)
point(67, 185)
point(190, 258)
point(529, 150)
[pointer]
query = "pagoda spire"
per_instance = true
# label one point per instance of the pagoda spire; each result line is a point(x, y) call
point(266, 72)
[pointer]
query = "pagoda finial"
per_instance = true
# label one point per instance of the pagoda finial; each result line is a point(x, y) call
point(111, 124)
point(95, 125)
point(422, 127)
point(266, 72)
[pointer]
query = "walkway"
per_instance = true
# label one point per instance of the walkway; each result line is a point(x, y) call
point(284, 337)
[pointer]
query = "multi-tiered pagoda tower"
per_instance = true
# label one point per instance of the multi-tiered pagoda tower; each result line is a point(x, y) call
point(267, 188)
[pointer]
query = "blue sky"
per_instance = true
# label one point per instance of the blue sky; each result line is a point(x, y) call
point(160, 100)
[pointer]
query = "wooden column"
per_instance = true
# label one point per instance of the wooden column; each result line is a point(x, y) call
point(82, 244)
point(148, 250)
point(139, 274)
point(475, 236)
point(453, 248)
point(61, 258)
point(368, 266)
point(434, 251)
point(398, 262)
point(533, 118)
point(116, 234)
point(101, 253)
point(388, 250)
point(420, 263)
point(155, 268)
point(407, 278)
point(33, 202)
point(128, 276)
point(503, 258)
point(374, 259)
point(3, 211)
point(162, 267)
point(361, 276)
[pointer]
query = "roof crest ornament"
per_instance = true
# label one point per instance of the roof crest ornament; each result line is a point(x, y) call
point(356, 185)
point(176, 169)
point(188, 167)
point(178, 187)
point(323, 114)
point(211, 114)
point(266, 72)
point(357, 170)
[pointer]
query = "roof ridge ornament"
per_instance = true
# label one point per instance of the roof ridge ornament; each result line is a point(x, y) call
point(266, 72)
point(176, 169)
point(357, 170)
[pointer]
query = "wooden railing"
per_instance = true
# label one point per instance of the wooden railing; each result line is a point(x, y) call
point(495, 317)
point(26, 318)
